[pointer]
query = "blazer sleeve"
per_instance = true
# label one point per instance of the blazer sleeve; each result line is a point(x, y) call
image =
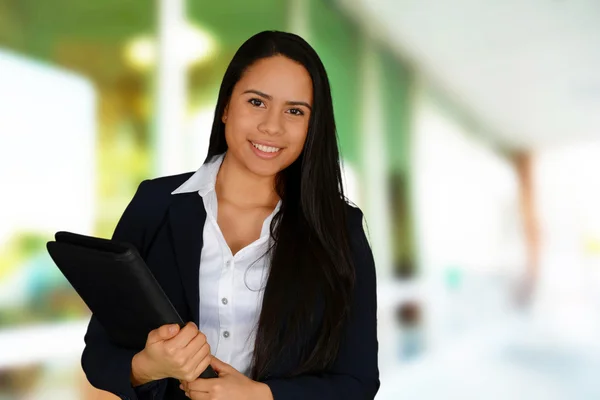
point(107, 366)
point(355, 374)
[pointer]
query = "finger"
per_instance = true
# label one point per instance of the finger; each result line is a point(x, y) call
point(184, 337)
point(219, 366)
point(198, 396)
point(196, 344)
point(193, 394)
point(164, 332)
point(202, 361)
point(193, 353)
point(201, 358)
point(183, 385)
point(201, 385)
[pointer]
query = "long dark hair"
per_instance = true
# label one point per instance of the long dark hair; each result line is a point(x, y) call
point(311, 267)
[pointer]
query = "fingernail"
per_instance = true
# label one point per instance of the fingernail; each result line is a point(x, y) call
point(172, 329)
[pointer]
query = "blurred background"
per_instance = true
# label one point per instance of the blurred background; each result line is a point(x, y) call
point(470, 134)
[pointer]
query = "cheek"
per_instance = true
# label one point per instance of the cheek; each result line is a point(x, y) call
point(297, 135)
point(238, 127)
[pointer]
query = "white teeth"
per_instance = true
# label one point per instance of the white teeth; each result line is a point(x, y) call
point(266, 149)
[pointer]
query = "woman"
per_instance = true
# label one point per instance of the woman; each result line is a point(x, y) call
point(258, 248)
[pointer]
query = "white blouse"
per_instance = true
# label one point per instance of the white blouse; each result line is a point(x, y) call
point(231, 287)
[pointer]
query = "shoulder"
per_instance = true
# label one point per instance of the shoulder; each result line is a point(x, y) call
point(353, 212)
point(156, 193)
point(355, 221)
point(354, 218)
point(359, 242)
point(147, 208)
point(365, 274)
point(153, 196)
point(164, 185)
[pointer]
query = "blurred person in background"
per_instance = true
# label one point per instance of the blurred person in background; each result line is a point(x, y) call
point(259, 249)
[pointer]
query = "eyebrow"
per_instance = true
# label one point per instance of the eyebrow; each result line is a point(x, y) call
point(269, 97)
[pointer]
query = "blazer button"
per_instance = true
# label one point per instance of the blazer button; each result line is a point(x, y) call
point(226, 334)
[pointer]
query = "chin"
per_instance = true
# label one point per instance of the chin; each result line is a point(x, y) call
point(263, 168)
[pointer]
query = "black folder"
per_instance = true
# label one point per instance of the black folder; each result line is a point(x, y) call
point(118, 287)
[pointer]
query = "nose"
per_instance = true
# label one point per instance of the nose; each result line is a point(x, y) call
point(271, 124)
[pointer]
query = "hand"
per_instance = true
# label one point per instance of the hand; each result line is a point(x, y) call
point(170, 352)
point(231, 384)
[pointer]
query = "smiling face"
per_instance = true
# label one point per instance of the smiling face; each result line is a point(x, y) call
point(266, 120)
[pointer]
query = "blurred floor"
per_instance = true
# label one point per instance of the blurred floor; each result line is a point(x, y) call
point(521, 355)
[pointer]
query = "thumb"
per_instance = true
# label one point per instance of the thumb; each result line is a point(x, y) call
point(165, 332)
point(219, 366)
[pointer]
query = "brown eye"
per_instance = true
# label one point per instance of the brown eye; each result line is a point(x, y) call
point(256, 102)
point(296, 111)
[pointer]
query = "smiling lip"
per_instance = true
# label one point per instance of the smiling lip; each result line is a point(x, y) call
point(264, 143)
point(263, 154)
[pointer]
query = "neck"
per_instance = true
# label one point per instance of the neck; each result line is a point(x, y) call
point(237, 185)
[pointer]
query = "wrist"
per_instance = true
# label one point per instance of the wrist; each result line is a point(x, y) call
point(139, 369)
point(263, 391)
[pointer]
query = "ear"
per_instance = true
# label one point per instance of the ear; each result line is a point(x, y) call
point(224, 116)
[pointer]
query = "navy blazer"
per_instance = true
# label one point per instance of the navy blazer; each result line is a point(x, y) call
point(167, 230)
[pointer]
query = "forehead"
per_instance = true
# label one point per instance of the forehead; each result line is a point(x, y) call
point(279, 77)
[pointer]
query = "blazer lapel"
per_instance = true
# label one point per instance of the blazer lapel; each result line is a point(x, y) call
point(187, 216)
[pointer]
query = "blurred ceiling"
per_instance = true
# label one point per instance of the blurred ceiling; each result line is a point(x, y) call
point(528, 70)
point(89, 36)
